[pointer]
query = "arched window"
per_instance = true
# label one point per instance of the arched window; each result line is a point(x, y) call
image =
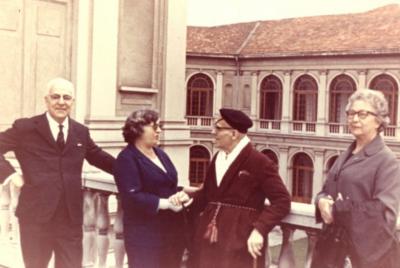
point(271, 155)
point(271, 98)
point(303, 171)
point(340, 90)
point(389, 88)
point(330, 163)
point(199, 160)
point(199, 96)
point(305, 99)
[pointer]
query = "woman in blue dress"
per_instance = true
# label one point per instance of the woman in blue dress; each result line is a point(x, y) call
point(146, 178)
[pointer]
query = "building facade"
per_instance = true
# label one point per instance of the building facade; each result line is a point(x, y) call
point(121, 56)
point(293, 77)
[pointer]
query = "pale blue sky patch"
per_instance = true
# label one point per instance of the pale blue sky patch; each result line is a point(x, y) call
point(218, 12)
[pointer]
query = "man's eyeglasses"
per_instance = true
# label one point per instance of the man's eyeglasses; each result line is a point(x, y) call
point(56, 97)
point(219, 128)
point(360, 114)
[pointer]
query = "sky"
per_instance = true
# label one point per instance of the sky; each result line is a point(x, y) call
point(219, 12)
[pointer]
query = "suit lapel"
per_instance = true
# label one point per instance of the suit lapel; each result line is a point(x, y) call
point(146, 161)
point(234, 167)
point(71, 136)
point(373, 147)
point(354, 159)
point(167, 166)
point(211, 176)
point(43, 128)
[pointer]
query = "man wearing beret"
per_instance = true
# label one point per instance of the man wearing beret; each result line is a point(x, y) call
point(233, 220)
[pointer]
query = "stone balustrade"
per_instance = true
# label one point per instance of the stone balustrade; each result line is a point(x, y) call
point(103, 229)
point(301, 217)
point(298, 127)
point(99, 219)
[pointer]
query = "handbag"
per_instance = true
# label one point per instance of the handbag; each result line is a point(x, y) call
point(331, 248)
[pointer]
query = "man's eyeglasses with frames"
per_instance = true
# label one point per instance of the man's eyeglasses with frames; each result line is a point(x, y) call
point(56, 97)
point(219, 128)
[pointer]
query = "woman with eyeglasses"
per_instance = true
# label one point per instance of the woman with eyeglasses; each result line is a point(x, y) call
point(146, 178)
point(361, 194)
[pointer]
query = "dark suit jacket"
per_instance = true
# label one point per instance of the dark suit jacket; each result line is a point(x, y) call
point(369, 182)
point(250, 179)
point(49, 173)
point(141, 184)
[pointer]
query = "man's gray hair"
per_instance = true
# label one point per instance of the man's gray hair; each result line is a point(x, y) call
point(377, 100)
point(60, 82)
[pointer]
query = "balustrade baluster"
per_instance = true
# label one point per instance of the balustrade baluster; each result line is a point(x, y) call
point(89, 228)
point(102, 224)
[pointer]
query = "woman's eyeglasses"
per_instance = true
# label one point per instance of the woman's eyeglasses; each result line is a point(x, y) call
point(155, 126)
point(360, 114)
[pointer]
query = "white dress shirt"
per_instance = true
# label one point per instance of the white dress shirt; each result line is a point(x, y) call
point(55, 129)
point(224, 160)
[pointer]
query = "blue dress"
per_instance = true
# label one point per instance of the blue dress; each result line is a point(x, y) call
point(153, 238)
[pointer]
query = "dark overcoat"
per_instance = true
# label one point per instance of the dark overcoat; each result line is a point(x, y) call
point(369, 182)
point(250, 179)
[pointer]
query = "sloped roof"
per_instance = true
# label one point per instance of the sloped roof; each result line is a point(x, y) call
point(225, 39)
point(375, 31)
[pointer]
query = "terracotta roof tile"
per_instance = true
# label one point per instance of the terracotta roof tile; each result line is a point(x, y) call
point(225, 39)
point(374, 31)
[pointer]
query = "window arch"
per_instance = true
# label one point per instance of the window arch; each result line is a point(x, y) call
point(271, 155)
point(330, 162)
point(302, 178)
point(199, 96)
point(199, 161)
point(271, 98)
point(340, 90)
point(305, 99)
point(389, 88)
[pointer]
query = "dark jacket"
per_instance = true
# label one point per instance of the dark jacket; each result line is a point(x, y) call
point(369, 182)
point(141, 184)
point(48, 172)
point(250, 179)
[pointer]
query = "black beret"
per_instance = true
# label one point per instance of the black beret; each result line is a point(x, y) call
point(236, 119)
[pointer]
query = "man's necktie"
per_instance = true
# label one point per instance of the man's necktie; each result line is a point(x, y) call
point(60, 138)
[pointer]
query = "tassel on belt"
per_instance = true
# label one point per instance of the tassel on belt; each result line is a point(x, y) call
point(211, 233)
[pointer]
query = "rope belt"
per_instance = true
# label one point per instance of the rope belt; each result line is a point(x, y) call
point(211, 233)
point(220, 204)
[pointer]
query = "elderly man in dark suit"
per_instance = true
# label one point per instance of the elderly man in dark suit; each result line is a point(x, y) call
point(234, 221)
point(50, 149)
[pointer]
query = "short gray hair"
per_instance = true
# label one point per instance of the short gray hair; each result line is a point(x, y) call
point(60, 82)
point(377, 100)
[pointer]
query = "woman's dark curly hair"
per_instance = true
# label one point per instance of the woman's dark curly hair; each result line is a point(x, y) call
point(135, 122)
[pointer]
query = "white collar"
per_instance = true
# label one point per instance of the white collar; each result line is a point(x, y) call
point(53, 122)
point(54, 126)
point(224, 160)
point(238, 148)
